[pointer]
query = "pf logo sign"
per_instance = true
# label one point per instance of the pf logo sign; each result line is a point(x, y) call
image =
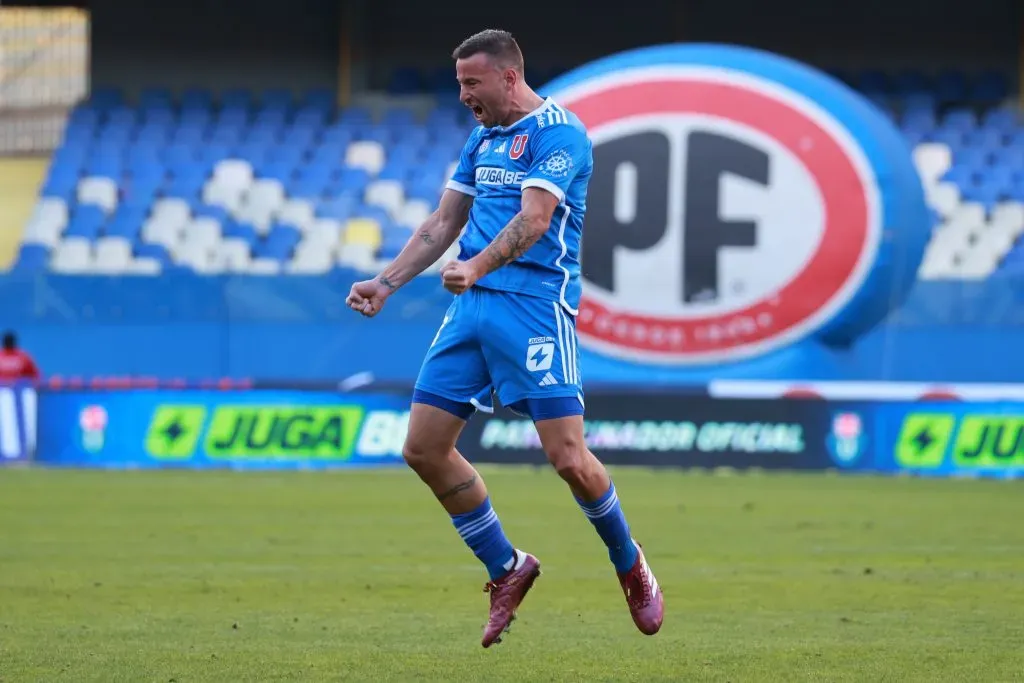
point(740, 202)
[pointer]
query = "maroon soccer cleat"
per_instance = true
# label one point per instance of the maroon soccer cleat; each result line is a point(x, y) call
point(643, 595)
point(507, 593)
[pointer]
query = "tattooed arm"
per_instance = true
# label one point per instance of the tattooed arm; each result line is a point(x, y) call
point(432, 239)
point(521, 233)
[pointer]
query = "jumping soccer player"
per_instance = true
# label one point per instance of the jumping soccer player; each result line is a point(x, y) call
point(521, 184)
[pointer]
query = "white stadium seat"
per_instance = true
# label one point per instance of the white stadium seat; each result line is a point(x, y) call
point(236, 173)
point(387, 194)
point(233, 255)
point(72, 256)
point(171, 210)
point(192, 254)
point(324, 233)
point(143, 266)
point(216, 192)
point(160, 231)
point(315, 264)
point(366, 154)
point(50, 211)
point(1009, 215)
point(112, 254)
point(264, 266)
point(932, 160)
point(413, 213)
point(204, 230)
point(944, 198)
point(297, 212)
point(358, 256)
point(41, 232)
point(98, 191)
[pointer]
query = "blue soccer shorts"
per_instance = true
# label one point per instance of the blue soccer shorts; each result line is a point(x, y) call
point(521, 347)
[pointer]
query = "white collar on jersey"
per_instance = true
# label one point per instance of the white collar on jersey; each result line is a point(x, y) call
point(543, 105)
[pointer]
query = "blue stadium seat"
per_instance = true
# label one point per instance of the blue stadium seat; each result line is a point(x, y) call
point(85, 221)
point(153, 251)
point(340, 207)
point(308, 186)
point(282, 170)
point(952, 138)
point(310, 116)
point(235, 98)
point(355, 115)
point(321, 98)
point(284, 154)
point(126, 222)
point(960, 118)
point(405, 80)
point(31, 258)
point(337, 135)
point(962, 176)
point(951, 87)
point(187, 187)
point(351, 180)
point(103, 98)
point(238, 230)
point(909, 82)
point(441, 82)
point(990, 87)
point(277, 99)
point(195, 100)
point(218, 213)
point(1004, 121)
point(253, 151)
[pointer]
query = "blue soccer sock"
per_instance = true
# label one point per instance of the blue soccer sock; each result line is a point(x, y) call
point(605, 514)
point(482, 532)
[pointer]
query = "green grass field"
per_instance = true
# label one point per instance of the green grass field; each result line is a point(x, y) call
point(213, 576)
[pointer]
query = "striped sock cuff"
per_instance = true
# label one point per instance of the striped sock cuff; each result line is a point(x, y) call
point(473, 527)
point(602, 506)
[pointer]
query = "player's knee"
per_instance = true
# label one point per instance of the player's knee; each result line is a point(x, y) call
point(568, 456)
point(418, 454)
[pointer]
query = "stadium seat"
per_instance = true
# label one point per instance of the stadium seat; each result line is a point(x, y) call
point(284, 182)
point(366, 154)
point(297, 212)
point(73, 256)
point(112, 255)
point(387, 194)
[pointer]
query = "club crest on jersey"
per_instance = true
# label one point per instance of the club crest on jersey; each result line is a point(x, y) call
point(737, 206)
point(557, 165)
point(518, 146)
point(485, 145)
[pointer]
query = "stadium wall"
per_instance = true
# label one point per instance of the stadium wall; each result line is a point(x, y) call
point(20, 179)
point(297, 328)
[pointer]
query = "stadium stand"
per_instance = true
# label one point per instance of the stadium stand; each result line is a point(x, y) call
point(274, 183)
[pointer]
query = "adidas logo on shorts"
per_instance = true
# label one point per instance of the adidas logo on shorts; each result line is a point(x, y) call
point(548, 380)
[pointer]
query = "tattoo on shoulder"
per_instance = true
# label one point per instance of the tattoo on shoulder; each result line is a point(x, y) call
point(458, 488)
point(387, 283)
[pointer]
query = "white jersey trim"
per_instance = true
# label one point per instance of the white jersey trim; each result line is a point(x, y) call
point(544, 185)
point(558, 261)
point(460, 187)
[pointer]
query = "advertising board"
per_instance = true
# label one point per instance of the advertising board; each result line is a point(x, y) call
point(201, 429)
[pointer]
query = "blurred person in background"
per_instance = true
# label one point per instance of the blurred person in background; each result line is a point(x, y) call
point(16, 364)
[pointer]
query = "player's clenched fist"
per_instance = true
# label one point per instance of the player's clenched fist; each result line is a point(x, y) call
point(458, 276)
point(368, 297)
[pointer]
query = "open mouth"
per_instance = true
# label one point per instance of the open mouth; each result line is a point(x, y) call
point(478, 112)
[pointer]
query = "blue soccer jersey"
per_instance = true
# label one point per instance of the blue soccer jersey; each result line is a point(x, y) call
point(549, 149)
